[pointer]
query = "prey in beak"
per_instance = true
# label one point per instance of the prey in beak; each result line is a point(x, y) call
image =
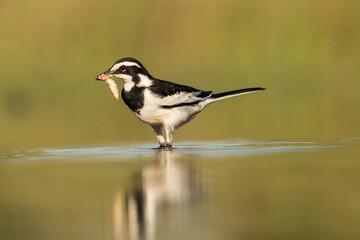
point(111, 83)
point(103, 77)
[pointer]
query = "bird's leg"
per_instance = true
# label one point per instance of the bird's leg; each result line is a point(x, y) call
point(169, 136)
point(159, 135)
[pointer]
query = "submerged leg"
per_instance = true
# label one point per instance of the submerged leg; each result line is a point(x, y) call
point(169, 136)
point(159, 135)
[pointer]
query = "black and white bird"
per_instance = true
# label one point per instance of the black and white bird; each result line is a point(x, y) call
point(164, 105)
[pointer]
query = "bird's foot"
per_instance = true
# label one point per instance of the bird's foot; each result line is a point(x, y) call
point(162, 147)
point(165, 147)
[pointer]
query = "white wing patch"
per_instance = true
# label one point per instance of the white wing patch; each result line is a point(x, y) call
point(183, 98)
point(176, 99)
point(154, 111)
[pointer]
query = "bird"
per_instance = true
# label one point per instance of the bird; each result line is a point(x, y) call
point(164, 105)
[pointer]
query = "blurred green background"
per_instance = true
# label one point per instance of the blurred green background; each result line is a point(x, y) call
point(306, 53)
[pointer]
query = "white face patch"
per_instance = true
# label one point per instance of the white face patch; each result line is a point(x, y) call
point(128, 86)
point(144, 81)
point(126, 78)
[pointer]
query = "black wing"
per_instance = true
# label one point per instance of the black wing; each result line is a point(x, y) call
point(176, 95)
point(165, 89)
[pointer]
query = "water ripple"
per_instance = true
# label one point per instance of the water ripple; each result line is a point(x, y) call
point(198, 149)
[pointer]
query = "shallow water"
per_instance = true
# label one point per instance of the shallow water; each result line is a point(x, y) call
point(234, 189)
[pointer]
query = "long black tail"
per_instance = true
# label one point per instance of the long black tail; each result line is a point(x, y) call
point(223, 95)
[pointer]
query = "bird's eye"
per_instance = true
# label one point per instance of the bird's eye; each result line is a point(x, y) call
point(123, 68)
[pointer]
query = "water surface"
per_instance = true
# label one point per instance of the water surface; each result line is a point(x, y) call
point(232, 189)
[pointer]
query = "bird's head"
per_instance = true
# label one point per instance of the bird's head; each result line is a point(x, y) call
point(127, 69)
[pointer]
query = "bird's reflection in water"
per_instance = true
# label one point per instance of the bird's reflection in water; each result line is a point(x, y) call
point(161, 193)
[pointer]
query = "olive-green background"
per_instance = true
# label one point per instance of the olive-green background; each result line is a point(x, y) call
point(306, 53)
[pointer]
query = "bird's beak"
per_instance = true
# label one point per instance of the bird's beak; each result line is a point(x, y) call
point(103, 77)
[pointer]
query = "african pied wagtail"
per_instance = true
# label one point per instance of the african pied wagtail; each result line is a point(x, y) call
point(163, 105)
